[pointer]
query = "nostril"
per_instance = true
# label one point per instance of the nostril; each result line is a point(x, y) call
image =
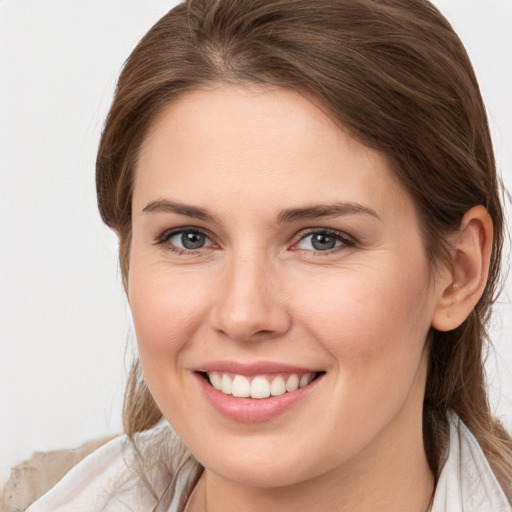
point(263, 332)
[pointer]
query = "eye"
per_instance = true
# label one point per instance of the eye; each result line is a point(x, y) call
point(323, 241)
point(185, 240)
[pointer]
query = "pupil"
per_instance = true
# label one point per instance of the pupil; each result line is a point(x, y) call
point(323, 242)
point(192, 240)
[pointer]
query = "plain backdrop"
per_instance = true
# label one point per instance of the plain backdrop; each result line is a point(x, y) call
point(64, 322)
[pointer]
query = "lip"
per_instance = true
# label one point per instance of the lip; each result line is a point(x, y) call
point(252, 410)
point(253, 369)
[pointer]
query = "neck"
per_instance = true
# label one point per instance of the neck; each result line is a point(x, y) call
point(392, 475)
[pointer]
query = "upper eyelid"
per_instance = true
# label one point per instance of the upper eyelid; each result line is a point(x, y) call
point(335, 232)
point(169, 233)
point(347, 242)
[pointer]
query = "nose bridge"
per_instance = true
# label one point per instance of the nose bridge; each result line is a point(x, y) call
point(249, 299)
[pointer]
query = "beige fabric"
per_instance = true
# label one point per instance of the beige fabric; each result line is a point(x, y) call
point(34, 477)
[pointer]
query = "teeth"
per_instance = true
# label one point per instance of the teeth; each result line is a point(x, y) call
point(216, 380)
point(278, 387)
point(241, 387)
point(260, 386)
point(292, 383)
point(226, 384)
point(305, 380)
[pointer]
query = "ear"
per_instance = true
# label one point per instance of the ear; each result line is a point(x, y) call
point(461, 287)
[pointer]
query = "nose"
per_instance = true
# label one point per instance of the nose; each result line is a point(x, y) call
point(250, 301)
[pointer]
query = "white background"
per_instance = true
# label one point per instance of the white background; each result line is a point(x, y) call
point(64, 323)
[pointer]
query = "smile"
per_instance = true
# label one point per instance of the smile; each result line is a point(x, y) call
point(258, 386)
point(256, 392)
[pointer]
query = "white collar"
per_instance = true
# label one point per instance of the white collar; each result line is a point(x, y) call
point(108, 480)
point(466, 482)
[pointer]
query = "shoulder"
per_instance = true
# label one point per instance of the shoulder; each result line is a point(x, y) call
point(111, 478)
point(35, 476)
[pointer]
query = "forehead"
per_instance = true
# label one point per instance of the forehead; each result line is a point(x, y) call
point(217, 143)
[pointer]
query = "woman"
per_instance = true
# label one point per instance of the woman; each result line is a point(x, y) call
point(310, 237)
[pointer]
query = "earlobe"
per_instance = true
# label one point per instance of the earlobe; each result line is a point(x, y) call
point(464, 283)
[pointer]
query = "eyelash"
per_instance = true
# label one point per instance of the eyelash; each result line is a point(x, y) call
point(339, 236)
point(163, 240)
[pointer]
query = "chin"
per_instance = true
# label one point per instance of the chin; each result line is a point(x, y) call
point(265, 467)
point(267, 476)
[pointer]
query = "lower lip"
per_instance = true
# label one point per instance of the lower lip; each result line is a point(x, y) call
point(254, 410)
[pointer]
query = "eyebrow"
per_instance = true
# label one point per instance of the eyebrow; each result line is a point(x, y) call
point(285, 216)
point(166, 206)
point(325, 210)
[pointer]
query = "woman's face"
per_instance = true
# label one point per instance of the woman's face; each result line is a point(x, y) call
point(271, 250)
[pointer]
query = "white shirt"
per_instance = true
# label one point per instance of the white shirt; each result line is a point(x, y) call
point(109, 480)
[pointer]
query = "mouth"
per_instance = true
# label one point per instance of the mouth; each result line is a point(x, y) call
point(260, 386)
point(256, 392)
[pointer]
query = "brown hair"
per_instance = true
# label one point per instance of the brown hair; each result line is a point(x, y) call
point(392, 72)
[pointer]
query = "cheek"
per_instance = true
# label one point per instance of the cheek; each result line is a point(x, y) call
point(165, 311)
point(374, 327)
point(369, 318)
point(166, 317)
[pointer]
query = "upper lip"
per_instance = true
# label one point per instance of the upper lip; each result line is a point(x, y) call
point(251, 369)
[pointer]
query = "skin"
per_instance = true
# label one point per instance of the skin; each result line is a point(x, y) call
point(260, 291)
